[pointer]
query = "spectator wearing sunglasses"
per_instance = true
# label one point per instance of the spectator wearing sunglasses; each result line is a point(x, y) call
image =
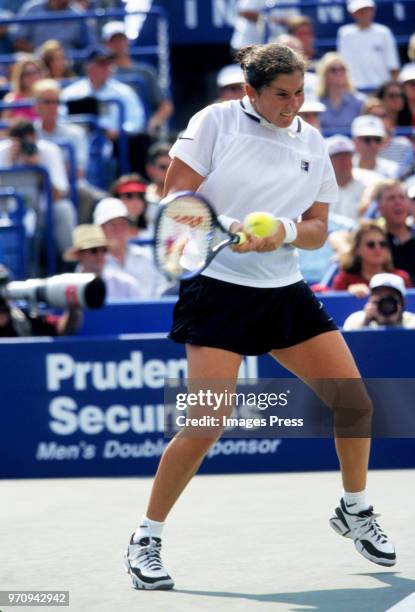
point(392, 95)
point(385, 306)
point(395, 148)
point(52, 126)
point(89, 249)
point(369, 137)
point(112, 216)
point(158, 161)
point(336, 91)
point(369, 254)
point(131, 190)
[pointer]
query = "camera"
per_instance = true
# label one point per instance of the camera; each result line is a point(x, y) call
point(388, 305)
point(61, 291)
point(27, 147)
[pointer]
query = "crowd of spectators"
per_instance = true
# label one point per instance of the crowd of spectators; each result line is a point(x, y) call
point(68, 87)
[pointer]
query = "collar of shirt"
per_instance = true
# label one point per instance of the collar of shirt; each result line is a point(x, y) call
point(293, 129)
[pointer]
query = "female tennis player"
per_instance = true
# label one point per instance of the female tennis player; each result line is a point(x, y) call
point(256, 154)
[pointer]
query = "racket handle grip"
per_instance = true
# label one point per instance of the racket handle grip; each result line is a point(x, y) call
point(241, 238)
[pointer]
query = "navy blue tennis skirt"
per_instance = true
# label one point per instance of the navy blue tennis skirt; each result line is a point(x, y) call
point(247, 320)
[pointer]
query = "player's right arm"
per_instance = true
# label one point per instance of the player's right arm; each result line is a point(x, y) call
point(181, 177)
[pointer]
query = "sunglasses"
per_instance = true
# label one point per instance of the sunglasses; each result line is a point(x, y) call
point(410, 83)
point(30, 72)
point(369, 139)
point(95, 250)
point(372, 244)
point(337, 69)
point(235, 87)
point(132, 195)
point(394, 95)
point(49, 102)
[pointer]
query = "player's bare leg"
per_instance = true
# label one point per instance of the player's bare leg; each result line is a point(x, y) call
point(179, 462)
point(327, 356)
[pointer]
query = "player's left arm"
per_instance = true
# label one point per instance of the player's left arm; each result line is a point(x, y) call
point(312, 229)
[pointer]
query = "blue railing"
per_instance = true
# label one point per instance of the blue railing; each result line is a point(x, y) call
point(161, 50)
point(47, 189)
point(13, 222)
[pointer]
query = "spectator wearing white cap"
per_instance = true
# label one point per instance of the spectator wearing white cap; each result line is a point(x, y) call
point(369, 136)
point(112, 215)
point(395, 148)
point(312, 107)
point(352, 184)
point(159, 105)
point(369, 49)
point(407, 78)
point(230, 82)
point(89, 248)
point(385, 306)
point(335, 89)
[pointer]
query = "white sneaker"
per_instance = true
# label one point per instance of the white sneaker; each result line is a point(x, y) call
point(369, 539)
point(143, 563)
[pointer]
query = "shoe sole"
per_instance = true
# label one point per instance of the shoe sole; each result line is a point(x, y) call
point(338, 524)
point(140, 585)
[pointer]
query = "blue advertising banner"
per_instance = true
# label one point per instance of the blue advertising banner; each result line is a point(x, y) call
point(94, 407)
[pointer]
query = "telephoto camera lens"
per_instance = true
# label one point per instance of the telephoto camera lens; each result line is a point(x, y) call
point(388, 305)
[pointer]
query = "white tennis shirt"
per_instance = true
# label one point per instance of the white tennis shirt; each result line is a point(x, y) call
point(251, 165)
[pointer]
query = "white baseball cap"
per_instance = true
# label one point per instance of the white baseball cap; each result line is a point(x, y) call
point(356, 5)
point(311, 102)
point(388, 280)
point(108, 209)
point(112, 28)
point(368, 125)
point(339, 144)
point(407, 73)
point(312, 105)
point(229, 75)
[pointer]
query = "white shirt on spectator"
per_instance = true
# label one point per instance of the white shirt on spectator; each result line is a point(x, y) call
point(350, 195)
point(119, 284)
point(139, 264)
point(135, 120)
point(356, 321)
point(385, 167)
point(248, 32)
point(73, 134)
point(370, 54)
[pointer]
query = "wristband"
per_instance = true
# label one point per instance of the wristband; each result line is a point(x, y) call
point(227, 222)
point(291, 230)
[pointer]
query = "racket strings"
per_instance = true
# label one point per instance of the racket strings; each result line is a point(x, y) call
point(184, 236)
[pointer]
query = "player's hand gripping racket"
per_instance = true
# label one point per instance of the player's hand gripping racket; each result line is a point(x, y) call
point(186, 235)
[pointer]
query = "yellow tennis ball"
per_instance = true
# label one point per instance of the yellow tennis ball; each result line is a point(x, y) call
point(261, 224)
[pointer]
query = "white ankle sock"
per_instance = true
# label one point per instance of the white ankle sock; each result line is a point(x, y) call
point(148, 528)
point(356, 502)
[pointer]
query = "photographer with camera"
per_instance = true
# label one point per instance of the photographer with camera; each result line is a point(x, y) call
point(23, 148)
point(385, 306)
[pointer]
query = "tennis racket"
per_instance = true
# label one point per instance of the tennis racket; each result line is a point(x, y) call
point(188, 235)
